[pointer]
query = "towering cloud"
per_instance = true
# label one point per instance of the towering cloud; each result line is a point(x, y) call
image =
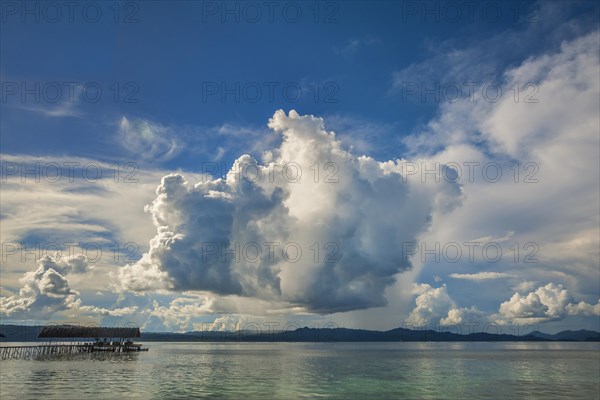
point(311, 225)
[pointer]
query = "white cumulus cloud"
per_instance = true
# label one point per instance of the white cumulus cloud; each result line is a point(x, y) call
point(312, 225)
point(549, 302)
point(434, 307)
point(47, 291)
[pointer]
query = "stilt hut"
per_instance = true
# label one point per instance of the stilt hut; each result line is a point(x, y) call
point(73, 339)
point(94, 338)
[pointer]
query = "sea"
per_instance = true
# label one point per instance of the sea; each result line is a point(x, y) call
point(320, 370)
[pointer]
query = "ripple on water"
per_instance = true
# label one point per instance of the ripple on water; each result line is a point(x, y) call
point(315, 370)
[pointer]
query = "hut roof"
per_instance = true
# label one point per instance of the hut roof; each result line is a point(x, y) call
point(73, 331)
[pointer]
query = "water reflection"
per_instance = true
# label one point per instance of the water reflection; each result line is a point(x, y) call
point(330, 370)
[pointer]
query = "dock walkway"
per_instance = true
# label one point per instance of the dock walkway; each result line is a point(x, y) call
point(37, 351)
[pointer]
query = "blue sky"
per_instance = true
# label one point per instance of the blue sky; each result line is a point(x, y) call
point(188, 83)
point(172, 54)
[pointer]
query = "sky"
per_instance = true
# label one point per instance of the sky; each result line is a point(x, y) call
point(193, 165)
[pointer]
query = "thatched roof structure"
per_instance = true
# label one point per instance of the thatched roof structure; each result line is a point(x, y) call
point(73, 331)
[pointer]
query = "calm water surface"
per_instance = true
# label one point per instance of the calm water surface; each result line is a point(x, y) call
point(315, 370)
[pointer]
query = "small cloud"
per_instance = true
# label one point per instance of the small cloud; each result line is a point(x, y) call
point(116, 312)
point(431, 305)
point(583, 308)
point(525, 286)
point(349, 49)
point(457, 316)
point(65, 109)
point(150, 140)
point(77, 264)
point(490, 239)
point(220, 154)
point(481, 276)
point(354, 45)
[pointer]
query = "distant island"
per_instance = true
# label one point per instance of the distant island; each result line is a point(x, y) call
point(27, 333)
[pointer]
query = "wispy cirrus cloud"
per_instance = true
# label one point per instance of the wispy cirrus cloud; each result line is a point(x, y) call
point(149, 140)
point(157, 143)
point(64, 109)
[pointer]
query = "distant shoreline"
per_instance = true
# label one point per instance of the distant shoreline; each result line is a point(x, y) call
point(25, 333)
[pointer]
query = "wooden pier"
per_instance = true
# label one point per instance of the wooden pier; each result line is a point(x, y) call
point(120, 342)
point(45, 350)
